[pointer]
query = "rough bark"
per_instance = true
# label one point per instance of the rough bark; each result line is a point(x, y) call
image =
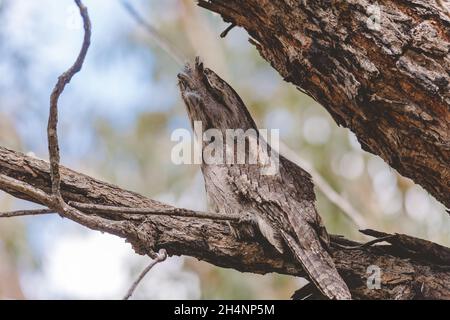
point(411, 268)
point(389, 86)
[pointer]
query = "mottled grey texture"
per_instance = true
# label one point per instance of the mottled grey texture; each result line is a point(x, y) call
point(283, 203)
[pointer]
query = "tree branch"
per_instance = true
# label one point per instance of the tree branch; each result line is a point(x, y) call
point(411, 268)
point(22, 213)
point(346, 207)
point(177, 212)
point(406, 273)
point(162, 255)
point(156, 36)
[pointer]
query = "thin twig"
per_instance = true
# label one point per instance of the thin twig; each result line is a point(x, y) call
point(160, 257)
point(346, 207)
point(56, 201)
point(365, 245)
point(21, 213)
point(157, 37)
point(178, 212)
point(63, 80)
point(228, 29)
point(41, 197)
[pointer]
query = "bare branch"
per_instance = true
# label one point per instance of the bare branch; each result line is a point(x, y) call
point(21, 213)
point(213, 240)
point(346, 207)
point(56, 201)
point(443, 4)
point(177, 212)
point(228, 29)
point(63, 80)
point(161, 256)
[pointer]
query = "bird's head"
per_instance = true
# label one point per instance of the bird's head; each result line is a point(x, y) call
point(211, 100)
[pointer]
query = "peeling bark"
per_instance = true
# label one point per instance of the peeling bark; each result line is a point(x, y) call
point(389, 86)
point(411, 268)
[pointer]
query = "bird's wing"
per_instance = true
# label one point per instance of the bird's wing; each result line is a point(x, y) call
point(287, 202)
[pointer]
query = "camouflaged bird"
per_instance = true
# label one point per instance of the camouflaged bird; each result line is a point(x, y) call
point(282, 204)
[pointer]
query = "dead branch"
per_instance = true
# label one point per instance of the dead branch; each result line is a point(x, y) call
point(162, 255)
point(334, 197)
point(404, 270)
point(63, 80)
point(156, 36)
point(22, 213)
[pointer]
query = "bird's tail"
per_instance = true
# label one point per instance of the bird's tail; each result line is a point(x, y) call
point(320, 267)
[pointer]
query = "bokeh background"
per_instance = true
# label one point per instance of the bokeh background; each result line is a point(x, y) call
point(116, 118)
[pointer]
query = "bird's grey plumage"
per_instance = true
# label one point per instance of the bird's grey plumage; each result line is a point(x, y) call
point(283, 203)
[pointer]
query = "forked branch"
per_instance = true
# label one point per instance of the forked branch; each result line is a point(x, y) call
point(411, 268)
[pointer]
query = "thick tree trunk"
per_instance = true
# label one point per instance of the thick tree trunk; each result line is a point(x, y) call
point(389, 85)
point(410, 268)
